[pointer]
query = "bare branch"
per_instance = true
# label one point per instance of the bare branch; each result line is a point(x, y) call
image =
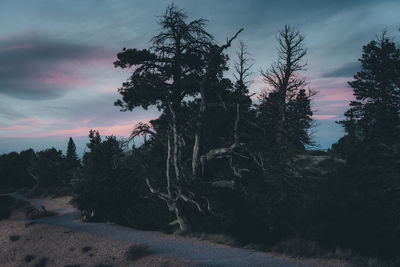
point(159, 194)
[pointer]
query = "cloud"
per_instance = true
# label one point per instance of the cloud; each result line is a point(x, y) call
point(29, 131)
point(35, 67)
point(22, 125)
point(327, 117)
point(347, 70)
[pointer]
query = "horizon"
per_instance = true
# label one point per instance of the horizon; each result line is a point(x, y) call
point(57, 79)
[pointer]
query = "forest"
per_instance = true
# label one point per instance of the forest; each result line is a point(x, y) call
point(220, 160)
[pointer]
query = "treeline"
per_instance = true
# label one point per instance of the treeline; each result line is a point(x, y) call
point(217, 162)
point(39, 171)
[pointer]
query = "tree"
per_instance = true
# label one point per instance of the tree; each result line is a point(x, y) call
point(98, 181)
point(14, 169)
point(49, 168)
point(286, 106)
point(164, 76)
point(71, 157)
point(371, 149)
point(374, 116)
point(181, 74)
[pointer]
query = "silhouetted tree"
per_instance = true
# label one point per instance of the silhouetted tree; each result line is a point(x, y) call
point(371, 180)
point(14, 169)
point(242, 73)
point(374, 114)
point(288, 94)
point(99, 175)
point(179, 74)
point(71, 157)
point(110, 186)
point(49, 168)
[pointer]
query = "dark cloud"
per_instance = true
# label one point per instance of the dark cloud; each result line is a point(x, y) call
point(266, 16)
point(37, 67)
point(348, 70)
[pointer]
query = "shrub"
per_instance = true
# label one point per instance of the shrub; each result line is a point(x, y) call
point(86, 249)
point(136, 252)
point(14, 238)
point(41, 263)
point(29, 258)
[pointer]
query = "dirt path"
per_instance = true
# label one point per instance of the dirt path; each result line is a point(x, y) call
point(186, 249)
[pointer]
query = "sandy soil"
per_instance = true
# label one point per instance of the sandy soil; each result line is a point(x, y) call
point(63, 247)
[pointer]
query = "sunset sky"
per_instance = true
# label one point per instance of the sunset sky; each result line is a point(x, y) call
point(56, 58)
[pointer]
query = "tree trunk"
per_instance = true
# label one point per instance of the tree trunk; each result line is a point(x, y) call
point(280, 135)
point(176, 151)
point(196, 155)
point(181, 220)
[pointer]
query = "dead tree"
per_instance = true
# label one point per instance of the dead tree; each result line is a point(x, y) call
point(243, 65)
point(198, 159)
point(180, 64)
point(283, 76)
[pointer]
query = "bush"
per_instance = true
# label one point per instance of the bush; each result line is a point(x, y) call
point(111, 188)
point(41, 263)
point(136, 252)
point(86, 249)
point(14, 238)
point(29, 258)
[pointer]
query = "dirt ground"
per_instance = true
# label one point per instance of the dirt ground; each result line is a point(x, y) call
point(44, 245)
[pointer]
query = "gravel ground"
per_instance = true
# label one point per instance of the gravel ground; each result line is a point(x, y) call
point(61, 246)
point(109, 243)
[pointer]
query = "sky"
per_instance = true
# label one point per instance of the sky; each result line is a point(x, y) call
point(57, 77)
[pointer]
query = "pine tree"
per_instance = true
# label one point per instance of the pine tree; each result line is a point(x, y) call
point(299, 121)
point(374, 115)
point(71, 157)
point(372, 150)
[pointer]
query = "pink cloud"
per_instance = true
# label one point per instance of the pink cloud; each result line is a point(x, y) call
point(337, 105)
point(38, 121)
point(117, 129)
point(329, 117)
point(97, 58)
point(28, 124)
point(334, 108)
point(329, 89)
point(332, 89)
point(86, 121)
point(59, 78)
point(14, 128)
point(337, 94)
